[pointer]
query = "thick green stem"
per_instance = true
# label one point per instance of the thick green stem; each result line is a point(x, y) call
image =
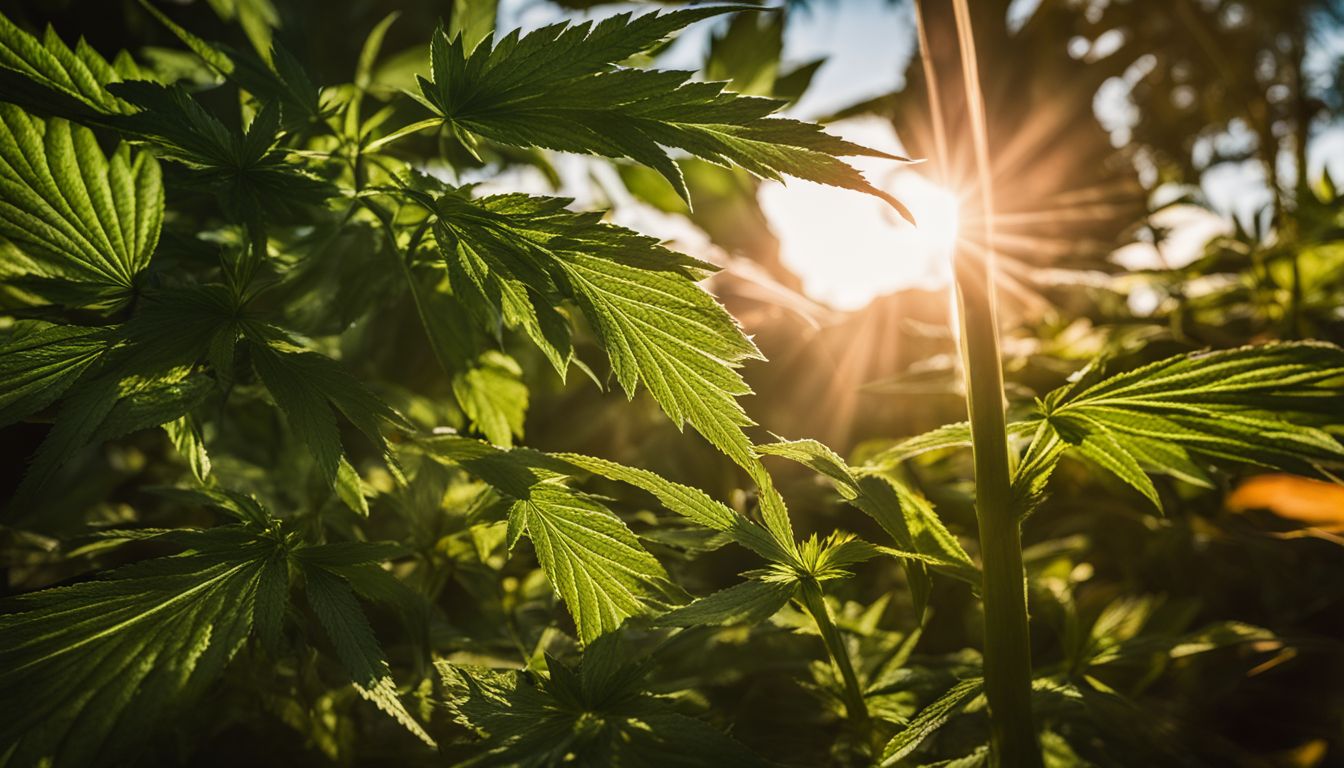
point(1007, 643)
point(856, 707)
point(1013, 738)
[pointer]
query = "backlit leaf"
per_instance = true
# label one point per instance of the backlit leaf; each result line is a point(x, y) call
point(560, 87)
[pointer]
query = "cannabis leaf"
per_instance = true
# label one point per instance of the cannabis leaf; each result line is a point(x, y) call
point(593, 560)
point(86, 222)
point(907, 517)
point(48, 77)
point(930, 719)
point(493, 396)
point(118, 380)
point(333, 601)
point(560, 87)
point(1266, 405)
point(597, 714)
point(115, 656)
point(311, 388)
point(922, 541)
point(272, 74)
point(957, 435)
point(749, 602)
point(518, 253)
point(38, 365)
point(252, 177)
point(693, 504)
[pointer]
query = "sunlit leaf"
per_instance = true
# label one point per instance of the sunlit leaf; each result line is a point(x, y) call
point(560, 87)
point(593, 560)
point(88, 222)
point(1266, 405)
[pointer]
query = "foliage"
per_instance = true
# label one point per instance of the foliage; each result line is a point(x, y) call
point(292, 362)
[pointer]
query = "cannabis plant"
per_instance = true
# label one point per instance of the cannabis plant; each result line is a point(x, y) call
point(275, 340)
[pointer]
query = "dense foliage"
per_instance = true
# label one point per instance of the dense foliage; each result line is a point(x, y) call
point(274, 322)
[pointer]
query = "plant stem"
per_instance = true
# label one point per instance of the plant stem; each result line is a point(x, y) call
point(1013, 738)
point(855, 706)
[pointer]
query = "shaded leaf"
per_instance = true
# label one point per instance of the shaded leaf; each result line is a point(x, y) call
point(929, 720)
point(334, 602)
point(115, 656)
point(750, 602)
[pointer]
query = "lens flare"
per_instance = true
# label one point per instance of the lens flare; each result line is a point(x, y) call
point(848, 249)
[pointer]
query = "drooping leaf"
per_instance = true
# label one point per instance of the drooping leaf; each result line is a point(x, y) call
point(85, 221)
point(517, 254)
point(311, 388)
point(560, 87)
point(334, 603)
point(115, 656)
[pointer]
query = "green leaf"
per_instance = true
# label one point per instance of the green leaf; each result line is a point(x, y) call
point(907, 517)
point(37, 368)
point(519, 254)
point(114, 657)
point(560, 87)
point(746, 53)
point(258, 18)
point(929, 720)
point(311, 388)
point(271, 74)
point(473, 21)
point(185, 434)
point(493, 396)
point(47, 76)
point(691, 503)
point(253, 178)
point(1265, 405)
point(334, 603)
point(82, 218)
point(592, 559)
point(750, 602)
point(597, 715)
point(596, 564)
point(956, 435)
point(110, 407)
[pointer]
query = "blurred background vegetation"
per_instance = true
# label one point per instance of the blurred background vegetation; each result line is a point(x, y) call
point(1164, 175)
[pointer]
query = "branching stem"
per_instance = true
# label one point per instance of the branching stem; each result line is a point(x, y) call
point(815, 603)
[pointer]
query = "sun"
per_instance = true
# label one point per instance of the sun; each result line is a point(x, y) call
point(849, 249)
